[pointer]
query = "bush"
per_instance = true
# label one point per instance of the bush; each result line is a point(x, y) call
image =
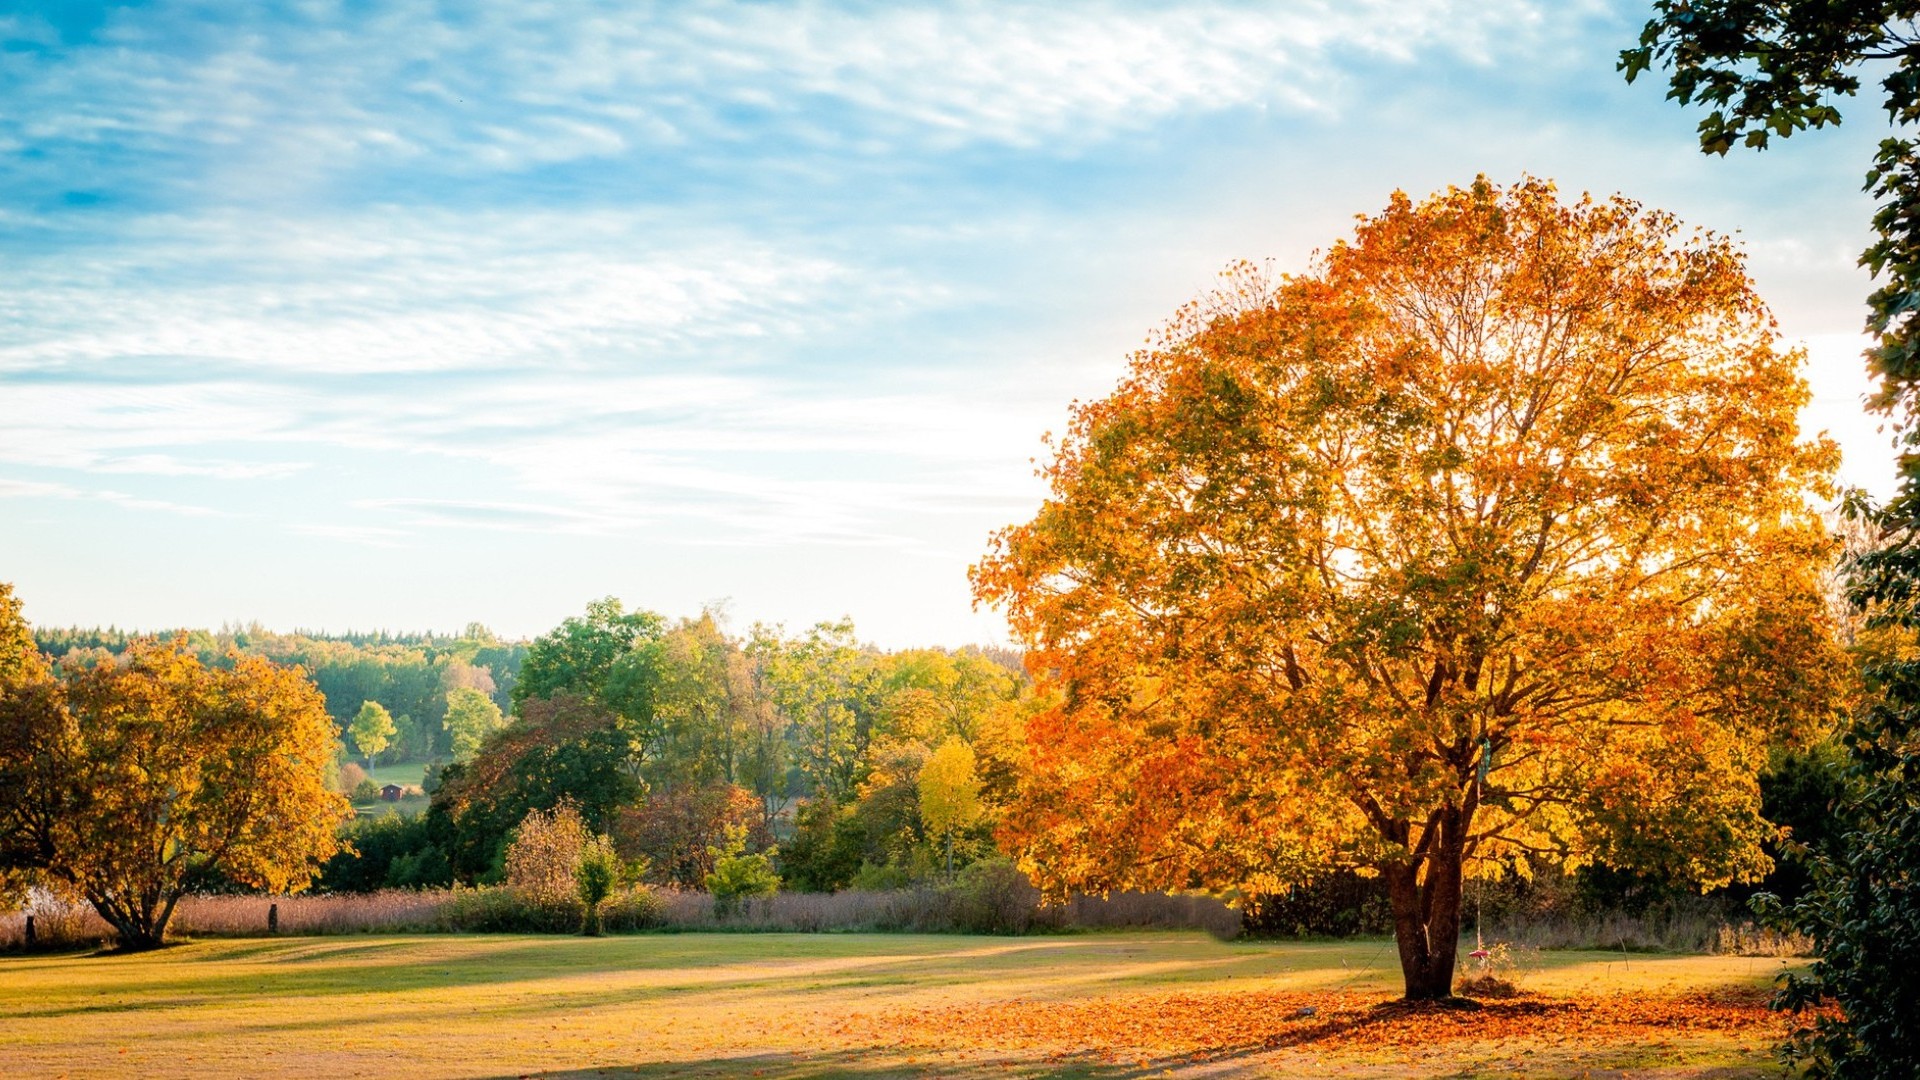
point(1857, 1008)
point(1152, 911)
point(879, 878)
point(495, 909)
point(504, 910)
point(1340, 904)
point(365, 791)
point(351, 777)
point(737, 876)
point(633, 908)
point(545, 855)
point(992, 896)
point(594, 877)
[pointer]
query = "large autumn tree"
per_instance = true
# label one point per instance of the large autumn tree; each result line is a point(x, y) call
point(135, 781)
point(1491, 538)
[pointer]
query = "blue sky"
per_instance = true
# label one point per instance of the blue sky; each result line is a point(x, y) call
point(405, 315)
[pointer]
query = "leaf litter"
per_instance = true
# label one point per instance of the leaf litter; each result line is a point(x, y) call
point(1206, 1025)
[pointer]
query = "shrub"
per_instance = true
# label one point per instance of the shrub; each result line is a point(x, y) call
point(1857, 1008)
point(385, 851)
point(737, 876)
point(1152, 911)
point(351, 777)
point(545, 853)
point(594, 877)
point(1339, 904)
point(365, 791)
point(633, 908)
point(495, 909)
point(992, 896)
point(878, 878)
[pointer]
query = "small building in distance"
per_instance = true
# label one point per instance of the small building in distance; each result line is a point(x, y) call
point(393, 792)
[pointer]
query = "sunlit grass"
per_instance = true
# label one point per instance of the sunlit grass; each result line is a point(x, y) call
point(768, 1004)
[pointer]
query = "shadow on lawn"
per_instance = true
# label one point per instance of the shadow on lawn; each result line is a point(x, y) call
point(332, 966)
point(861, 1064)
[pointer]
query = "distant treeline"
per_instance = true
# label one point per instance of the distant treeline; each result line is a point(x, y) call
point(409, 674)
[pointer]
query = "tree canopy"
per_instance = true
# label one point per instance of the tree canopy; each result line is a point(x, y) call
point(1767, 69)
point(131, 783)
point(372, 729)
point(1491, 537)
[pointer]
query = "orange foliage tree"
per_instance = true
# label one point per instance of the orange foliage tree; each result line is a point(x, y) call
point(136, 781)
point(1489, 540)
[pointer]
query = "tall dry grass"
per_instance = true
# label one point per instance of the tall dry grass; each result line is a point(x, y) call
point(1676, 930)
point(1009, 908)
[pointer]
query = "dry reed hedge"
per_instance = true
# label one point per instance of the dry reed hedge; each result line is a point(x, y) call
point(62, 925)
point(922, 910)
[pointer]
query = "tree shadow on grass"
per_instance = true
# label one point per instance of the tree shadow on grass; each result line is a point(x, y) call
point(860, 1065)
point(341, 966)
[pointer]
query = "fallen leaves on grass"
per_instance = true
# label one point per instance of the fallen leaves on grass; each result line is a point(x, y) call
point(1202, 1024)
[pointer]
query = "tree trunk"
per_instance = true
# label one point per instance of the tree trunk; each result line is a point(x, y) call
point(138, 925)
point(1426, 913)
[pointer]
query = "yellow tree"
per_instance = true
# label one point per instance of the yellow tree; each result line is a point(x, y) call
point(167, 775)
point(1490, 537)
point(949, 794)
point(31, 728)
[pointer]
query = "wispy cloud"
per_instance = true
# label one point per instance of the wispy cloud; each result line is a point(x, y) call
point(375, 536)
point(408, 290)
point(291, 94)
point(413, 286)
point(29, 489)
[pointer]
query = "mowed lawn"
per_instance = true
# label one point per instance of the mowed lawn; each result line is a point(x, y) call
point(789, 1005)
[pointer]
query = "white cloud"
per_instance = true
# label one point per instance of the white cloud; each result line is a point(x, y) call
point(31, 489)
point(283, 98)
point(391, 291)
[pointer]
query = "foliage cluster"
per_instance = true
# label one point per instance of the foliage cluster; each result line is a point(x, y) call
point(413, 678)
point(1768, 69)
point(1861, 903)
point(1490, 538)
point(672, 738)
point(554, 862)
point(737, 876)
point(134, 782)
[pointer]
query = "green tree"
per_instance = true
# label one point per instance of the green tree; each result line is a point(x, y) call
point(578, 654)
point(1860, 904)
point(950, 795)
point(1767, 69)
point(471, 717)
point(372, 729)
point(827, 688)
point(566, 747)
point(703, 700)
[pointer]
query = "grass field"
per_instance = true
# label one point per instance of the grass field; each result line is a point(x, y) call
point(780, 1005)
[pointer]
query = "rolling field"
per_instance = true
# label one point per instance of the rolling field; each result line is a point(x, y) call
point(777, 1005)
